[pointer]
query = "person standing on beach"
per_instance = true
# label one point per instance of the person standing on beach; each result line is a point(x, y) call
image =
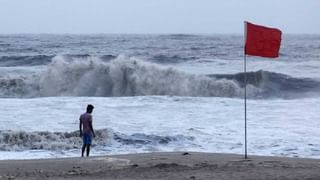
point(86, 129)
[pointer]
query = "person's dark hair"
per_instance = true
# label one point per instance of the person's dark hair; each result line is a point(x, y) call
point(89, 108)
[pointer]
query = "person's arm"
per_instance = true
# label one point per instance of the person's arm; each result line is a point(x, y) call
point(90, 124)
point(80, 127)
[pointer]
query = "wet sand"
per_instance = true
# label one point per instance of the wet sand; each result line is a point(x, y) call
point(173, 166)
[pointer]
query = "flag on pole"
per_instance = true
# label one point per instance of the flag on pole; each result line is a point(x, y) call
point(262, 41)
point(259, 41)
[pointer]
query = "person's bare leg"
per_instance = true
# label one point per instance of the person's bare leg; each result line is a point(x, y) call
point(88, 149)
point(82, 151)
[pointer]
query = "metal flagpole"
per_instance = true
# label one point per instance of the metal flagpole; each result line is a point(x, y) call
point(245, 106)
point(245, 92)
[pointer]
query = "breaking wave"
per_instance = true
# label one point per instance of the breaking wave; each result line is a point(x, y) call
point(119, 77)
point(124, 76)
point(58, 141)
point(12, 61)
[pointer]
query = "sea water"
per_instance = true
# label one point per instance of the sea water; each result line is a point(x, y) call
point(156, 93)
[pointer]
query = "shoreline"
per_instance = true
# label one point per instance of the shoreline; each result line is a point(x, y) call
point(163, 165)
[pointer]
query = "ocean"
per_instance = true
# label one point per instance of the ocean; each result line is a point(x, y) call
point(157, 93)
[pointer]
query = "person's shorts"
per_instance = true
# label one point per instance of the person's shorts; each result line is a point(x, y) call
point(87, 139)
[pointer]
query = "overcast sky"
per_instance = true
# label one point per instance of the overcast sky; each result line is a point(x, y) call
point(156, 16)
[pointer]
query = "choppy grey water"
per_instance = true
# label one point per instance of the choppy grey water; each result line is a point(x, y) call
point(157, 93)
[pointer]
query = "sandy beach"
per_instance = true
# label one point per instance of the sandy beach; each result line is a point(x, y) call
point(175, 165)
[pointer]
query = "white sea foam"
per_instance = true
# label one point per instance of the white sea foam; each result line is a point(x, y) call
point(162, 123)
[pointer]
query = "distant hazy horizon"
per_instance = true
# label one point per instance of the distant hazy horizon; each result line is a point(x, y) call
point(156, 17)
point(151, 34)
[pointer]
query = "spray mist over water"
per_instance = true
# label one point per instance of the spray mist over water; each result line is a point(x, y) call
point(129, 76)
point(122, 76)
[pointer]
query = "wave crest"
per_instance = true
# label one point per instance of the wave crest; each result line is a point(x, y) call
point(129, 76)
point(59, 141)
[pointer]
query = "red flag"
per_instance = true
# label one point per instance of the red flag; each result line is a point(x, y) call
point(262, 41)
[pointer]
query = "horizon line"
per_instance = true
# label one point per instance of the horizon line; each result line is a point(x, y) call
point(96, 33)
